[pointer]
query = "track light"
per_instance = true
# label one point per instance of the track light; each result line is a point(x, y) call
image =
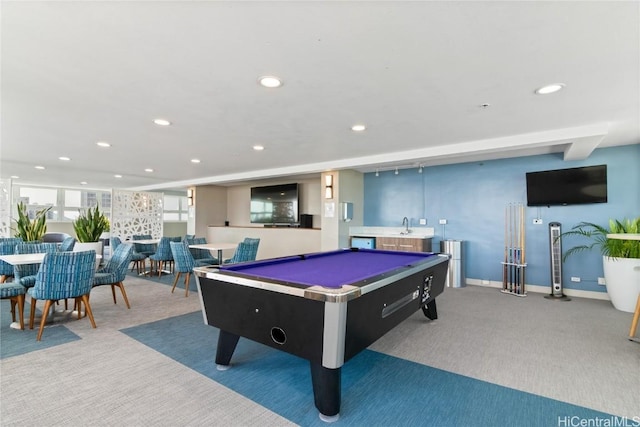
point(396, 172)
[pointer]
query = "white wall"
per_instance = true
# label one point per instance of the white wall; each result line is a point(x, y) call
point(274, 242)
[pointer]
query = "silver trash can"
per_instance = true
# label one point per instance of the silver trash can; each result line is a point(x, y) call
point(455, 274)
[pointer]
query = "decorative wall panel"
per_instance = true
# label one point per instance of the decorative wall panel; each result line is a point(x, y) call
point(135, 212)
point(5, 208)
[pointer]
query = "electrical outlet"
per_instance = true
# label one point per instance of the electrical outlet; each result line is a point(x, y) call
point(442, 221)
point(537, 221)
point(575, 279)
point(601, 281)
point(423, 221)
point(485, 282)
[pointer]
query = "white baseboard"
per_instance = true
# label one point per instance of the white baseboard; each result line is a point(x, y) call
point(542, 289)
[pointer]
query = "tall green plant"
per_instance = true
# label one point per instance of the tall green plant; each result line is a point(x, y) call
point(90, 225)
point(31, 230)
point(615, 248)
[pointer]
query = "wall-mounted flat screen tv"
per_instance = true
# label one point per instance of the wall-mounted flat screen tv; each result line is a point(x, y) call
point(567, 186)
point(274, 204)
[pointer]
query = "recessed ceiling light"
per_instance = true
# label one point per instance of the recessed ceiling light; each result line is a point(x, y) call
point(546, 90)
point(14, 177)
point(195, 160)
point(117, 176)
point(270, 81)
point(258, 147)
point(162, 122)
point(103, 144)
point(148, 170)
point(83, 183)
point(358, 128)
point(39, 167)
point(64, 158)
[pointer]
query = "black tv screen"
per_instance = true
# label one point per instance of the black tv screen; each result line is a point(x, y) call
point(274, 204)
point(567, 186)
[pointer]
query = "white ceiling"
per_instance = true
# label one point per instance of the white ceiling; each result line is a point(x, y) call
point(416, 73)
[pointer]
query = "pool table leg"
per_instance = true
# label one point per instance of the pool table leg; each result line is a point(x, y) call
point(326, 391)
point(430, 310)
point(226, 346)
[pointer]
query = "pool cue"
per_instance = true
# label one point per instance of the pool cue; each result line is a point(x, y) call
point(506, 252)
point(513, 247)
point(523, 243)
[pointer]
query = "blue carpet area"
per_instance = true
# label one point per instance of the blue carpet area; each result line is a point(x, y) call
point(14, 342)
point(377, 389)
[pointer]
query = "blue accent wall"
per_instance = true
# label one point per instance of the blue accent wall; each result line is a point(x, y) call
point(472, 197)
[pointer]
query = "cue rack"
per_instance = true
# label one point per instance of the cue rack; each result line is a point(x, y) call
point(514, 264)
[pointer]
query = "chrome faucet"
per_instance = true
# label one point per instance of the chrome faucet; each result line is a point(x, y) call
point(405, 224)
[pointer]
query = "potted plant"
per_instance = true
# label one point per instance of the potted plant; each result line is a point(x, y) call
point(89, 226)
point(621, 258)
point(31, 230)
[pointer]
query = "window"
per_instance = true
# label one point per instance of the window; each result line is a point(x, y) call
point(66, 203)
point(175, 208)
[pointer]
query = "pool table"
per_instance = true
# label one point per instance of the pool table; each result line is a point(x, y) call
point(325, 307)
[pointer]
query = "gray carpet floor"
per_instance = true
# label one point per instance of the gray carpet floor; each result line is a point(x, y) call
point(574, 351)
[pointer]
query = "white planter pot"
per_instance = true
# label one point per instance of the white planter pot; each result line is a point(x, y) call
point(622, 276)
point(96, 246)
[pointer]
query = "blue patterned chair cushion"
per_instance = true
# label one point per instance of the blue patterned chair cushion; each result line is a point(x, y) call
point(144, 249)
point(182, 258)
point(104, 278)
point(115, 270)
point(25, 274)
point(64, 275)
point(11, 289)
point(163, 252)
point(7, 247)
point(67, 244)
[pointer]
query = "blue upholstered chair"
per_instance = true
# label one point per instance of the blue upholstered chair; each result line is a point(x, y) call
point(63, 275)
point(143, 248)
point(184, 263)
point(7, 247)
point(115, 271)
point(67, 244)
point(137, 258)
point(25, 274)
point(201, 256)
point(247, 250)
point(162, 256)
point(15, 292)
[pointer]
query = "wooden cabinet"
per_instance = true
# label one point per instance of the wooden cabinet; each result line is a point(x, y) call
point(406, 244)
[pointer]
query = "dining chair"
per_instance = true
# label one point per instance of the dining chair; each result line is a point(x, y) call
point(7, 247)
point(246, 251)
point(67, 244)
point(15, 292)
point(115, 271)
point(63, 275)
point(201, 256)
point(162, 256)
point(25, 274)
point(137, 258)
point(184, 263)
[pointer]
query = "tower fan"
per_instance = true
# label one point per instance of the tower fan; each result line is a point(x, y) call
point(556, 263)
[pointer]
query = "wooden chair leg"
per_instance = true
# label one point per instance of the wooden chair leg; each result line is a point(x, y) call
point(47, 307)
point(19, 299)
point(175, 282)
point(13, 309)
point(3, 278)
point(32, 313)
point(186, 284)
point(113, 293)
point(87, 307)
point(634, 322)
point(124, 293)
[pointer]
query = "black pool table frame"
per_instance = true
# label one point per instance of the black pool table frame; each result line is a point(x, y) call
point(325, 326)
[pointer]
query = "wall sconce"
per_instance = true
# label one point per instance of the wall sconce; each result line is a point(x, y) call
point(328, 186)
point(190, 197)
